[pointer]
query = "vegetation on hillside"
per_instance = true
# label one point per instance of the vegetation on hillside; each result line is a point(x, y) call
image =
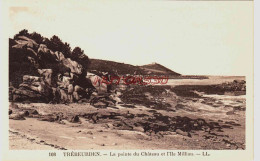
point(56, 44)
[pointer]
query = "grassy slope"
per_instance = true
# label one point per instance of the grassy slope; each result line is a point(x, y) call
point(159, 68)
point(123, 69)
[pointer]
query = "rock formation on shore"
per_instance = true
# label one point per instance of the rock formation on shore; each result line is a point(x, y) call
point(48, 70)
point(43, 70)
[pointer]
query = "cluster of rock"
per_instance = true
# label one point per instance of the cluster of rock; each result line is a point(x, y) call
point(38, 74)
point(18, 113)
point(149, 123)
point(236, 85)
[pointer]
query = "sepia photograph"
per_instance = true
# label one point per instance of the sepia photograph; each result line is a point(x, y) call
point(128, 75)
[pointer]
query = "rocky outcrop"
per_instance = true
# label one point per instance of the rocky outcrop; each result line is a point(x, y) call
point(59, 56)
point(97, 82)
point(46, 75)
point(24, 42)
point(38, 74)
point(236, 85)
point(73, 65)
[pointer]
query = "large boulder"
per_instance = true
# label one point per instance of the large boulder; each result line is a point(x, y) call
point(32, 88)
point(79, 89)
point(24, 42)
point(16, 117)
point(43, 48)
point(79, 93)
point(36, 86)
point(65, 82)
point(27, 95)
point(34, 83)
point(73, 119)
point(73, 65)
point(97, 82)
point(76, 96)
point(31, 79)
point(56, 95)
point(28, 39)
point(59, 55)
point(46, 75)
point(63, 95)
point(70, 88)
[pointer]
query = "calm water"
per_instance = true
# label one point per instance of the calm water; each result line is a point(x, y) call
point(211, 80)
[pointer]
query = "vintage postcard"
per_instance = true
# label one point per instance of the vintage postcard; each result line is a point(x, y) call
point(127, 80)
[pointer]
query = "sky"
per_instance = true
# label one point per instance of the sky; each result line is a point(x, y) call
point(192, 38)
